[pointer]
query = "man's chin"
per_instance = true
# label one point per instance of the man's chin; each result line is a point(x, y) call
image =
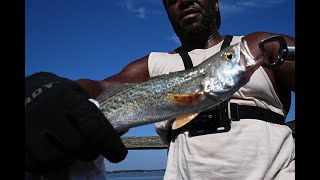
point(190, 23)
point(194, 28)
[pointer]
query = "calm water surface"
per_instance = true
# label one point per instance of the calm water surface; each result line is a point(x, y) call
point(136, 175)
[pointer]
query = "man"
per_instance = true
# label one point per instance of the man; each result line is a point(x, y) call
point(254, 146)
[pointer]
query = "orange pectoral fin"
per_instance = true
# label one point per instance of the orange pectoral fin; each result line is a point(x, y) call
point(183, 120)
point(183, 99)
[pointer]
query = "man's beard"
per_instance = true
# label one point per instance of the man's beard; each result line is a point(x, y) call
point(206, 26)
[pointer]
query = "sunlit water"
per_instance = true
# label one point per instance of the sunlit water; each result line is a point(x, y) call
point(136, 176)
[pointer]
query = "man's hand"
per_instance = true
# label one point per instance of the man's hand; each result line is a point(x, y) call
point(62, 125)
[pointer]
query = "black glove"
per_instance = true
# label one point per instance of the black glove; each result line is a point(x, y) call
point(62, 125)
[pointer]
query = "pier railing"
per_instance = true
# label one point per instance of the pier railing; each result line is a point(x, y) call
point(154, 142)
point(143, 142)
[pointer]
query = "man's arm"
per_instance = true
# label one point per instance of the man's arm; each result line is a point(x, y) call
point(136, 71)
point(282, 77)
point(285, 73)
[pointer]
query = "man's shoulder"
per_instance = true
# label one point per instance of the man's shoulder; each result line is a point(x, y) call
point(258, 34)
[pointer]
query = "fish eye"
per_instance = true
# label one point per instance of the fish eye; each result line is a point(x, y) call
point(229, 55)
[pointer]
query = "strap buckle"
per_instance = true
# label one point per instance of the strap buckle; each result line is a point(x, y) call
point(214, 121)
point(223, 123)
point(233, 112)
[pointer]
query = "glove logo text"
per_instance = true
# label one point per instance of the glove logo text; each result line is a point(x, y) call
point(37, 93)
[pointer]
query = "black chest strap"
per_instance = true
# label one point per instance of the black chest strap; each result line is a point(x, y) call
point(186, 58)
point(226, 42)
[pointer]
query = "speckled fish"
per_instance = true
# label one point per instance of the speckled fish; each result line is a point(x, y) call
point(181, 95)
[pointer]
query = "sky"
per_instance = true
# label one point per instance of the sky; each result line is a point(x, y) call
point(95, 39)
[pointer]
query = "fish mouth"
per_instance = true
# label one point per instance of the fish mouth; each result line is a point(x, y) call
point(250, 62)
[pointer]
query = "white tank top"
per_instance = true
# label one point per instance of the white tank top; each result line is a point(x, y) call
point(247, 151)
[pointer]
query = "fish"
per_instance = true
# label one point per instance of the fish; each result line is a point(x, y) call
point(179, 95)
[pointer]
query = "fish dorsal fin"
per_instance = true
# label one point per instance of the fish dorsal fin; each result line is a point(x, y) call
point(112, 90)
point(183, 99)
point(183, 120)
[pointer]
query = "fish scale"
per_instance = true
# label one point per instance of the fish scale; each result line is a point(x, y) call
point(179, 95)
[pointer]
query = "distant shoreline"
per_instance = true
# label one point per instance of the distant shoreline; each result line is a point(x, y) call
point(137, 170)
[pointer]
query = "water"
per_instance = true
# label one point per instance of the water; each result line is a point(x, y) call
point(136, 176)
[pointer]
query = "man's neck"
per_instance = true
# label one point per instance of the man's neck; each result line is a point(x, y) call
point(197, 42)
